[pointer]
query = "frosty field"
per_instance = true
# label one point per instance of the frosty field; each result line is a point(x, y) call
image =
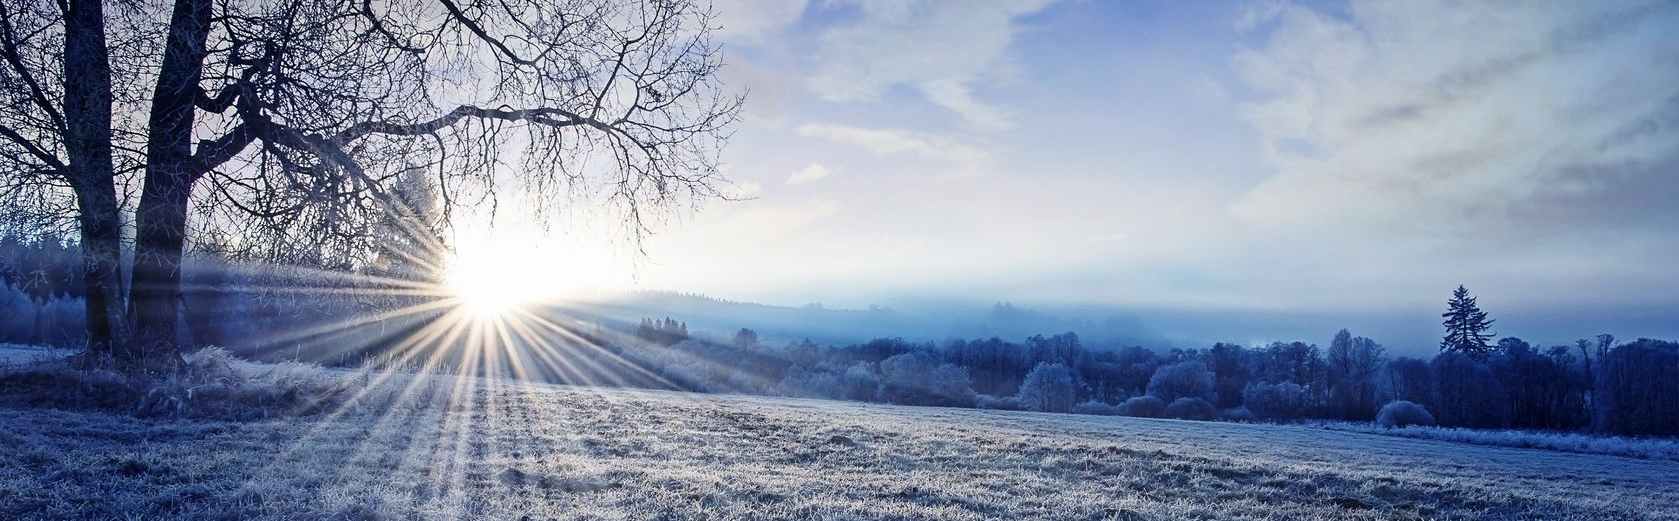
point(544, 452)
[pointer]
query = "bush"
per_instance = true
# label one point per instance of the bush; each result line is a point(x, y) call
point(919, 379)
point(1191, 409)
point(1050, 387)
point(1143, 407)
point(860, 382)
point(1237, 414)
point(1098, 407)
point(1005, 403)
point(812, 383)
point(1400, 413)
point(1182, 380)
point(1284, 401)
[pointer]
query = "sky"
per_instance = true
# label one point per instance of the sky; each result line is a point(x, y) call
point(1362, 158)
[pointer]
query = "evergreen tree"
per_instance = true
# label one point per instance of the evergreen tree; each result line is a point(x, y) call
point(1467, 327)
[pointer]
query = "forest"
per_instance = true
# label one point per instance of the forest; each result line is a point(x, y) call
point(1594, 385)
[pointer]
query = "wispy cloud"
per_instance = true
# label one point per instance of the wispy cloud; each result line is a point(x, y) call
point(808, 174)
point(1399, 113)
point(940, 49)
point(897, 142)
point(753, 21)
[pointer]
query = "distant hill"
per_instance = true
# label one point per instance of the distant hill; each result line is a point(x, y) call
point(720, 318)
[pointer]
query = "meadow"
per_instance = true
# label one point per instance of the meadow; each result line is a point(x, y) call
point(461, 448)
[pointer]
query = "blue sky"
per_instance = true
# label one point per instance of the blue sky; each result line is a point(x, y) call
point(1273, 156)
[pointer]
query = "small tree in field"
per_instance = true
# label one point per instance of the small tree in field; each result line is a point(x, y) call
point(746, 338)
point(1189, 379)
point(1467, 327)
point(1050, 387)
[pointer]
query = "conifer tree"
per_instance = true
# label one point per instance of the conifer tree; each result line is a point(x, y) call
point(1467, 327)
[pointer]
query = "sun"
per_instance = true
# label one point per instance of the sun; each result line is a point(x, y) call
point(497, 272)
point(493, 281)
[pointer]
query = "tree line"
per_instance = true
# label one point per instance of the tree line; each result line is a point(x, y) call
point(1594, 384)
point(41, 300)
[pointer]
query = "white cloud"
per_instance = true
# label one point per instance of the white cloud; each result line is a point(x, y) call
point(896, 142)
point(808, 174)
point(940, 49)
point(1412, 114)
point(748, 190)
point(753, 21)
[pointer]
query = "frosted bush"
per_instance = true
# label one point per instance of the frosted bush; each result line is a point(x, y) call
point(1143, 407)
point(1236, 414)
point(1191, 409)
point(1283, 401)
point(1005, 403)
point(1401, 413)
point(1182, 380)
point(1098, 407)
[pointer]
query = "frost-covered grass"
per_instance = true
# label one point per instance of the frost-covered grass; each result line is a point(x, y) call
point(488, 449)
point(12, 355)
point(214, 385)
point(1646, 448)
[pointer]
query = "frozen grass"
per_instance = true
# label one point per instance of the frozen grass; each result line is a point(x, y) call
point(13, 355)
point(1644, 448)
point(487, 449)
point(215, 385)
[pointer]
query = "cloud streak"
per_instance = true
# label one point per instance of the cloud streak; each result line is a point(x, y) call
point(1398, 113)
point(809, 174)
point(939, 49)
point(898, 142)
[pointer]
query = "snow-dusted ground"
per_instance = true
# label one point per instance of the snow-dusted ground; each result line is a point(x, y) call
point(14, 354)
point(544, 452)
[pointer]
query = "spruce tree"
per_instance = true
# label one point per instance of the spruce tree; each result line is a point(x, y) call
point(1467, 327)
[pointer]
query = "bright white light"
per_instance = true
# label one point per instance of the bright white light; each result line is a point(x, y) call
point(493, 275)
point(494, 278)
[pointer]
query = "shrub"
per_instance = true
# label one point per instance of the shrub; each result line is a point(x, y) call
point(811, 383)
point(1237, 414)
point(1050, 387)
point(1005, 403)
point(860, 382)
point(1143, 407)
point(919, 379)
point(1098, 407)
point(1400, 413)
point(1182, 380)
point(1191, 409)
point(1284, 401)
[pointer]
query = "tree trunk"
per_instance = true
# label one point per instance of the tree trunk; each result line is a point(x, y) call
point(87, 111)
point(161, 222)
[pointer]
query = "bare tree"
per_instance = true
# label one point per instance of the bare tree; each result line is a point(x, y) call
point(289, 121)
point(62, 154)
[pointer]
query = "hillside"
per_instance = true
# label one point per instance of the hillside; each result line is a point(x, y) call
point(517, 451)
